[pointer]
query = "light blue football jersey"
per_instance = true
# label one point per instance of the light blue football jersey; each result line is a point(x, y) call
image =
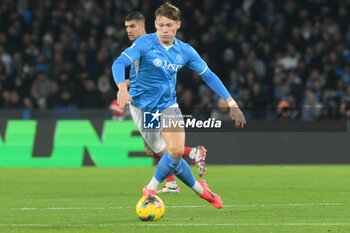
point(134, 69)
point(154, 69)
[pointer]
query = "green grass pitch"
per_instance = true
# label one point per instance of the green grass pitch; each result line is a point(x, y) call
point(259, 199)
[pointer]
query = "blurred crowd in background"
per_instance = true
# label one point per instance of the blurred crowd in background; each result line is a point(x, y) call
point(278, 59)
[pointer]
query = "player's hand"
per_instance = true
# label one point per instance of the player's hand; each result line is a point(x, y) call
point(237, 115)
point(123, 95)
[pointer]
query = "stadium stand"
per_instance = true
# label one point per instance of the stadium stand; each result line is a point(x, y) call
point(288, 56)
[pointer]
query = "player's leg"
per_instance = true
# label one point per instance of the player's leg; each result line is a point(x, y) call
point(157, 142)
point(196, 154)
point(170, 182)
point(172, 162)
point(154, 146)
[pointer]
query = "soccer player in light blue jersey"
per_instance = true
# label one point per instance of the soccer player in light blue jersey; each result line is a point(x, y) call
point(160, 57)
point(135, 27)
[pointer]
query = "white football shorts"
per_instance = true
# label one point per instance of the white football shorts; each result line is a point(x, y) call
point(152, 136)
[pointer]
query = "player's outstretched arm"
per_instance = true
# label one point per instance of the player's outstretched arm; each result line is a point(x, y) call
point(196, 63)
point(216, 85)
point(118, 71)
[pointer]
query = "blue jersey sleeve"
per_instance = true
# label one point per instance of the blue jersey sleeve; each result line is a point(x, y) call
point(215, 83)
point(194, 61)
point(129, 55)
point(134, 52)
point(118, 68)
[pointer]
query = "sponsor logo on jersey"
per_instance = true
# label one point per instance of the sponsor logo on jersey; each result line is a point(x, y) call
point(169, 66)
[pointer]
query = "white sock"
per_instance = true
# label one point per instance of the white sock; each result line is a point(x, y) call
point(153, 184)
point(197, 188)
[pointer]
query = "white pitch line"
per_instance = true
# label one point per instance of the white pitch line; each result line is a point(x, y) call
point(176, 224)
point(264, 205)
point(328, 193)
point(184, 206)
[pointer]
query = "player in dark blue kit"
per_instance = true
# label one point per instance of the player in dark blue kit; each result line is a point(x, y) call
point(160, 57)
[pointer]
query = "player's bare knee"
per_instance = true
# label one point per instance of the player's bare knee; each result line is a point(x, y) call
point(176, 152)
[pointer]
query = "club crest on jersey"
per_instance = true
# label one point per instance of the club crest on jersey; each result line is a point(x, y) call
point(157, 62)
point(179, 57)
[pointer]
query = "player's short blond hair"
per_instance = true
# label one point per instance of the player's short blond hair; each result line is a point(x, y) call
point(168, 10)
